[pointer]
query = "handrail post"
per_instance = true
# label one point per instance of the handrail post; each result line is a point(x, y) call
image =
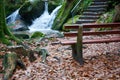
point(72, 11)
point(72, 17)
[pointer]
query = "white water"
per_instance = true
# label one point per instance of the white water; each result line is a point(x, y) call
point(45, 21)
point(13, 17)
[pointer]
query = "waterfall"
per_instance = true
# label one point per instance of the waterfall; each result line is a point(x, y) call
point(45, 21)
point(13, 17)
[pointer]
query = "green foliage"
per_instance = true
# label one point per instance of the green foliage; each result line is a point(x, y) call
point(64, 14)
point(55, 2)
point(74, 19)
point(84, 4)
point(112, 4)
point(37, 35)
point(12, 5)
point(5, 41)
point(107, 17)
point(52, 4)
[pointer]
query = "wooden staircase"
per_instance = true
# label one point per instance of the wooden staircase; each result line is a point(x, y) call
point(93, 12)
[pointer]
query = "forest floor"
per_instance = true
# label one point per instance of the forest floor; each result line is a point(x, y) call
point(102, 62)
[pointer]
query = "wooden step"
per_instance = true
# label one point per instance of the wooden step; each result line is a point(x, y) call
point(99, 3)
point(88, 17)
point(91, 13)
point(82, 21)
point(100, 0)
point(101, 10)
point(97, 6)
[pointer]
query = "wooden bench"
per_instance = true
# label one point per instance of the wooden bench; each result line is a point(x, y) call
point(78, 44)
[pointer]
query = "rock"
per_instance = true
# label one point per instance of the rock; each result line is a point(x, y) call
point(29, 11)
point(37, 35)
point(53, 33)
point(22, 36)
point(21, 51)
point(32, 10)
point(44, 54)
point(18, 25)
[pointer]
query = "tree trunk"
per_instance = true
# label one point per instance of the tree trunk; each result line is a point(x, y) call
point(64, 14)
point(5, 33)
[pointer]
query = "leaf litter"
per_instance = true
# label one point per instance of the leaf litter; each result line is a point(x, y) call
point(102, 62)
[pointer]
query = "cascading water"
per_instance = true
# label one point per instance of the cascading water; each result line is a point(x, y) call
point(13, 17)
point(45, 21)
point(14, 21)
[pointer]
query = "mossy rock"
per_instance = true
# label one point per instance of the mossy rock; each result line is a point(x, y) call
point(32, 10)
point(52, 4)
point(37, 35)
point(22, 36)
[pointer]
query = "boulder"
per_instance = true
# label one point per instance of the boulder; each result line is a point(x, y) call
point(32, 10)
point(17, 25)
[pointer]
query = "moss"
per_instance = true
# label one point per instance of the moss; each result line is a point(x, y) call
point(64, 14)
point(9, 63)
point(74, 19)
point(37, 35)
point(5, 41)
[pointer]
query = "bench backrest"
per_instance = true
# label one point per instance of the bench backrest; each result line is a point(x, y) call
point(80, 33)
point(92, 25)
point(87, 33)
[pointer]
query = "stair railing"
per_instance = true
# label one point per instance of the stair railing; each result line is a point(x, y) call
point(72, 11)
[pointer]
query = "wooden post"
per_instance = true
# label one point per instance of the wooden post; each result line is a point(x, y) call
point(74, 52)
point(79, 46)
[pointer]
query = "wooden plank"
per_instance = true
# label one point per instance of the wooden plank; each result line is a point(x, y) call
point(71, 26)
point(68, 42)
point(102, 40)
point(115, 39)
point(103, 25)
point(92, 25)
point(87, 33)
point(70, 34)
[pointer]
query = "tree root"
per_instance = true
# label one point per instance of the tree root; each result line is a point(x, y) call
point(10, 62)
